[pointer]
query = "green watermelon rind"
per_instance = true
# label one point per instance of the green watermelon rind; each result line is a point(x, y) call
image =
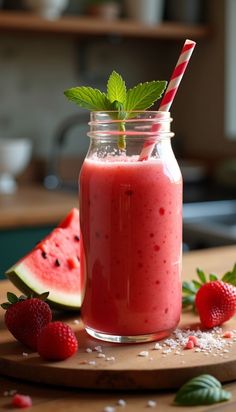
point(22, 278)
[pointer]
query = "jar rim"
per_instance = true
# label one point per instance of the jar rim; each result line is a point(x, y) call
point(102, 115)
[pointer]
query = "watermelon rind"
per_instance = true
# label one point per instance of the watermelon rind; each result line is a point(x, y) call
point(21, 277)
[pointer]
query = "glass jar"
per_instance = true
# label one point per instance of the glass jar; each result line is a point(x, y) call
point(131, 229)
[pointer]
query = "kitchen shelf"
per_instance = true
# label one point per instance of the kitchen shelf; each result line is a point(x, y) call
point(26, 22)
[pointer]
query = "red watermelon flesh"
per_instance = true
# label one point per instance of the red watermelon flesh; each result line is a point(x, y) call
point(54, 266)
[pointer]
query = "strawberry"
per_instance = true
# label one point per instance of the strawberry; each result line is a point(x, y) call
point(57, 341)
point(21, 401)
point(216, 303)
point(25, 317)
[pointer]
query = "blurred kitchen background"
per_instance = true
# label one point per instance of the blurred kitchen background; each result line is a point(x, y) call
point(47, 46)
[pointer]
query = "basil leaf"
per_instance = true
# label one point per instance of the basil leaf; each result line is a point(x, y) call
point(202, 390)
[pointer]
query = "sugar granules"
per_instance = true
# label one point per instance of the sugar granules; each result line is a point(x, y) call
point(213, 342)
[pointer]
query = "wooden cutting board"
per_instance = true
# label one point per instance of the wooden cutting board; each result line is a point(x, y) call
point(122, 367)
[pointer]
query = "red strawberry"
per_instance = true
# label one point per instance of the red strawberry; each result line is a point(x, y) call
point(57, 341)
point(216, 303)
point(21, 401)
point(26, 317)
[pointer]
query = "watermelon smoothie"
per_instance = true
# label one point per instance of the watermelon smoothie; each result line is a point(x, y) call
point(131, 224)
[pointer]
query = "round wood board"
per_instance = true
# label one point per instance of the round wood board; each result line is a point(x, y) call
point(127, 371)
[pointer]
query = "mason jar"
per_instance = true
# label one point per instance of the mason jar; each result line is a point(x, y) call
point(130, 196)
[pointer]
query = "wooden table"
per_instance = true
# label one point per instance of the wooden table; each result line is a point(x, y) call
point(60, 400)
point(33, 206)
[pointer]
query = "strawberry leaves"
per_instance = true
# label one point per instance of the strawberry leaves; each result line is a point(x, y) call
point(202, 390)
point(12, 299)
point(190, 289)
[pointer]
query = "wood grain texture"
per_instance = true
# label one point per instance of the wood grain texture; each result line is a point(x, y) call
point(54, 399)
point(129, 370)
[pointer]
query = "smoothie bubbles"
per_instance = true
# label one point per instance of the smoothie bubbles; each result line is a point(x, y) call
point(131, 213)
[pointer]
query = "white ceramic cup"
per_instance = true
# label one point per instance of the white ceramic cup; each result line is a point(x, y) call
point(49, 9)
point(15, 154)
point(145, 11)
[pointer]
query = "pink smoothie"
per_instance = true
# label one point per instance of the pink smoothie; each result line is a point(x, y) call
point(131, 223)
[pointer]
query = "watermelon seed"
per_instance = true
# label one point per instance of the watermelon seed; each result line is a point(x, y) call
point(57, 262)
point(76, 237)
point(44, 254)
point(78, 258)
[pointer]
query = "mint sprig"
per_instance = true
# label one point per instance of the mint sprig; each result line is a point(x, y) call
point(202, 390)
point(190, 289)
point(118, 99)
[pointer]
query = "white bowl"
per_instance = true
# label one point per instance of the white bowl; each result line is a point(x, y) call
point(48, 9)
point(15, 155)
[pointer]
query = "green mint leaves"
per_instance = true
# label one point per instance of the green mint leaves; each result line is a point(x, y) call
point(202, 390)
point(88, 98)
point(189, 289)
point(116, 89)
point(117, 98)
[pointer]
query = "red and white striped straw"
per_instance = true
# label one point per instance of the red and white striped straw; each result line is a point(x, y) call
point(171, 90)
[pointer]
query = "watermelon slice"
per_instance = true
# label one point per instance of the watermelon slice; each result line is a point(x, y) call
point(53, 266)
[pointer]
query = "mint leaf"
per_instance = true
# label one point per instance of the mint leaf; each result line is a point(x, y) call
point(142, 96)
point(89, 98)
point(202, 390)
point(116, 88)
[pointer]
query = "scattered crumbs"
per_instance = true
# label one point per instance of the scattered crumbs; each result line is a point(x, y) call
point(76, 321)
point(157, 346)
point(5, 393)
point(25, 354)
point(226, 350)
point(151, 404)
point(92, 362)
point(83, 362)
point(144, 353)
point(207, 342)
point(101, 355)
point(110, 358)
point(121, 402)
point(98, 348)
point(228, 334)
point(151, 359)
point(88, 350)
point(167, 351)
point(109, 409)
